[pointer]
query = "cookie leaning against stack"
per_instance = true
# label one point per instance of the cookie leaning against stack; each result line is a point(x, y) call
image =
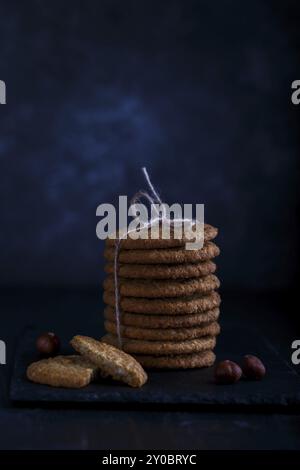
point(168, 301)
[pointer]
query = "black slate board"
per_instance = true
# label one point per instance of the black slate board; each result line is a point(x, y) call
point(281, 386)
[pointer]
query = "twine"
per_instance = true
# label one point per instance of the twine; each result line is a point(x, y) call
point(153, 198)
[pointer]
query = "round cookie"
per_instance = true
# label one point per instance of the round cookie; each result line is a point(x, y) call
point(110, 360)
point(163, 271)
point(166, 256)
point(170, 306)
point(163, 288)
point(160, 348)
point(158, 242)
point(62, 371)
point(166, 334)
point(162, 321)
point(184, 361)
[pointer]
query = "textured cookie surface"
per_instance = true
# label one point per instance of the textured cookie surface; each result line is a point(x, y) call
point(162, 321)
point(110, 360)
point(210, 233)
point(163, 271)
point(166, 334)
point(62, 371)
point(163, 288)
point(162, 347)
point(184, 361)
point(162, 256)
point(170, 306)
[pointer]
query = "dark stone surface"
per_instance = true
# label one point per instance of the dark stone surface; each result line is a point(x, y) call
point(132, 426)
point(174, 387)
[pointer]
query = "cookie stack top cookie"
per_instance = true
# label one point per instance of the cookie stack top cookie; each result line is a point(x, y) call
point(168, 302)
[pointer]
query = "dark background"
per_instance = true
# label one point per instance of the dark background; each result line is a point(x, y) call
point(197, 92)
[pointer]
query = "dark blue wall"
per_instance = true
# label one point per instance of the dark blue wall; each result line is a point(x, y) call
point(197, 91)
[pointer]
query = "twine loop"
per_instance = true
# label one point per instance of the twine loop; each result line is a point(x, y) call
point(153, 198)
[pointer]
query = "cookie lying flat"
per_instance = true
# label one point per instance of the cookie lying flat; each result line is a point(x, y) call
point(166, 334)
point(161, 348)
point(169, 256)
point(111, 361)
point(162, 321)
point(163, 288)
point(62, 371)
point(162, 271)
point(210, 233)
point(184, 361)
point(170, 306)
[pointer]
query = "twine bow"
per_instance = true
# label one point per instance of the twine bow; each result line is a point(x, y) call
point(154, 199)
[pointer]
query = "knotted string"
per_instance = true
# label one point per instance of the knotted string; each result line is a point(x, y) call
point(153, 198)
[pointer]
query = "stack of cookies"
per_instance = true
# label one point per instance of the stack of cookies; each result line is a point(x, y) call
point(168, 300)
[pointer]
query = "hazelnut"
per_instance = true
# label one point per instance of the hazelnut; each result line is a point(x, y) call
point(227, 372)
point(48, 344)
point(253, 368)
